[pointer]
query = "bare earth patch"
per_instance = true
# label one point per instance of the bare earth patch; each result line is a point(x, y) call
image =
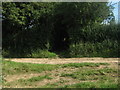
point(55, 73)
point(64, 60)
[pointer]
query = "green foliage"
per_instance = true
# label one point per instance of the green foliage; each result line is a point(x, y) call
point(5, 53)
point(71, 19)
point(25, 27)
point(43, 54)
point(32, 29)
point(107, 48)
point(34, 54)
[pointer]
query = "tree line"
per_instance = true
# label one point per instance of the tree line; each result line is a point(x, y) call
point(59, 27)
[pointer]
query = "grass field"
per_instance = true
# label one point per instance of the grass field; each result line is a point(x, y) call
point(72, 75)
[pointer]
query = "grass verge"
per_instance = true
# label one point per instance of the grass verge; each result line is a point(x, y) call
point(84, 75)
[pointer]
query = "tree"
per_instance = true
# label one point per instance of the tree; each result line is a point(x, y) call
point(30, 26)
point(26, 26)
point(76, 20)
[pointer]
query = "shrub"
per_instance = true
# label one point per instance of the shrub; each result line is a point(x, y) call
point(106, 48)
point(43, 54)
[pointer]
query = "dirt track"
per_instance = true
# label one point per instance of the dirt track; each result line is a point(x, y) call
point(65, 60)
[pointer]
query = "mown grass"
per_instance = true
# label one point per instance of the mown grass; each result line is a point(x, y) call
point(89, 75)
point(83, 85)
point(83, 64)
point(15, 67)
point(28, 82)
point(10, 68)
point(92, 74)
point(38, 78)
point(90, 78)
point(92, 85)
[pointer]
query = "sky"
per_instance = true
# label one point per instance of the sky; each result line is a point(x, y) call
point(115, 11)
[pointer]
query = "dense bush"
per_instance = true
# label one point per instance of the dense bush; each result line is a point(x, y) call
point(43, 54)
point(104, 49)
point(102, 42)
point(33, 54)
point(33, 29)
